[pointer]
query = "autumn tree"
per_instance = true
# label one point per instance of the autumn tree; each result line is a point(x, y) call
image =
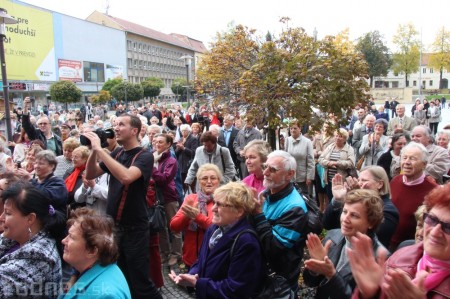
point(406, 58)
point(376, 54)
point(65, 92)
point(102, 97)
point(128, 92)
point(152, 86)
point(291, 72)
point(440, 58)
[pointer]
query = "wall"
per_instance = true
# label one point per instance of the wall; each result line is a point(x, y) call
point(403, 95)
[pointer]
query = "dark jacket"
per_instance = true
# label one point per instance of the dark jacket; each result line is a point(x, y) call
point(71, 195)
point(34, 133)
point(222, 276)
point(331, 219)
point(281, 229)
point(186, 156)
point(164, 177)
point(342, 284)
point(222, 142)
point(55, 189)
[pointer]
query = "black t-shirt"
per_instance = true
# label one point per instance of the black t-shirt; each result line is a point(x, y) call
point(135, 209)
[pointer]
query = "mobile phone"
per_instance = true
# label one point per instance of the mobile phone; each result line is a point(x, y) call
point(19, 165)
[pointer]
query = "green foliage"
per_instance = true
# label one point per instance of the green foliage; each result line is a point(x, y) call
point(108, 86)
point(376, 54)
point(179, 86)
point(65, 92)
point(102, 97)
point(152, 86)
point(440, 59)
point(406, 58)
point(132, 92)
point(292, 71)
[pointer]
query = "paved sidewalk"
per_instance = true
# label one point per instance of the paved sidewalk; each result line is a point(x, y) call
point(171, 290)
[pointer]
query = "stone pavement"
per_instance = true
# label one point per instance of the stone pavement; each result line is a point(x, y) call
point(170, 289)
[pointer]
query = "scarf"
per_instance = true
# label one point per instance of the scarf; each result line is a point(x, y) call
point(203, 201)
point(71, 180)
point(156, 157)
point(415, 182)
point(438, 271)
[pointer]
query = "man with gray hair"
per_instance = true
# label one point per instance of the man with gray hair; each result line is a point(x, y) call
point(359, 133)
point(226, 139)
point(280, 217)
point(401, 123)
point(438, 160)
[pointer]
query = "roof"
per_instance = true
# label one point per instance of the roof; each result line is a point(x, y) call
point(197, 45)
point(156, 35)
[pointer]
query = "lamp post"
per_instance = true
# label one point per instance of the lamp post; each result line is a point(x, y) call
point(5, 19)
point(187, 62)
point(126, 99)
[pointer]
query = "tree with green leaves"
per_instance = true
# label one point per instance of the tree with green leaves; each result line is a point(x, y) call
point(376, 54)
point(108, 86)
point(179, 87)
point(152, 87)
point(65, 92)
point(128, 92)
point(292, 72)
point(406, 58)
point(440, 58)
point(102, 97)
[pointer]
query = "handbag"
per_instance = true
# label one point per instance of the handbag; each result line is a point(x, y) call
point(360, 162)
point(157, 215)
point(274, 286)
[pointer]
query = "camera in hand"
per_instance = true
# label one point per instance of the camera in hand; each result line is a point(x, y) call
point(102, 134)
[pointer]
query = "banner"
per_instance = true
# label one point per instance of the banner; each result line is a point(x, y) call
point(113, 72)
point(69, 70)
point(29, 44)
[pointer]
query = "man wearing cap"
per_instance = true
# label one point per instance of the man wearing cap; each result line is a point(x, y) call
point(43, 133)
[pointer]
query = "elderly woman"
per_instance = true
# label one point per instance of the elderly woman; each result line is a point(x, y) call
point(185, 150)
point(420, 115)
point(196, 130)
point(255, 153)
point(65, 160)
point(374, 144)
point(409, 189)
point(371, 178)
point(434, 117)
point(90, 248)
point(390, 160)
point(338, 157)
point(217, 273)
point(195, 215)
point(164, 172)
point(21, 147)
point(328, 268)
point(30, 266)
point(26, 168)
point(301, 148)
point(52, 186)
point(418, 271)
point(73, 177)
point(443, 138)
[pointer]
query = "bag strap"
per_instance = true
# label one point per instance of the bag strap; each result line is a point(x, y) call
point(221, 158)
point(125, 188)
point(248, 230)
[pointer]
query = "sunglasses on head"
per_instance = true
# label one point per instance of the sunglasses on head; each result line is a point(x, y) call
point(433, 221)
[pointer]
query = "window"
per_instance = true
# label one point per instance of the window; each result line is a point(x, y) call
point(424, 70)
point(431, 82)
point(414, 83)
point(130, 62)
point(431, 71)
point(394, 84)
point(423, 83)
point(93, 71)
point(140, 47)
point(407, 83)
point(134, 46)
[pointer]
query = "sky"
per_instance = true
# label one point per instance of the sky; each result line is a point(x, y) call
point(201, 19)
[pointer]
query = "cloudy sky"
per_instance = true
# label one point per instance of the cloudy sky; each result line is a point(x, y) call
point(201, 19)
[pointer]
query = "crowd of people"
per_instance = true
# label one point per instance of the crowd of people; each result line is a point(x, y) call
point(77, 188)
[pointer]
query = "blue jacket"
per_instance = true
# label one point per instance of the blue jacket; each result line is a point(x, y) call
point(100, 282)
point(222, 277)
point(55, 189)
point(281, 229)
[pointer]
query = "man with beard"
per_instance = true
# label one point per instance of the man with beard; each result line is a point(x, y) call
point(280, 217)
point(130, 168)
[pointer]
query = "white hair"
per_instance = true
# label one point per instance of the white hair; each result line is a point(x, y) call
point(289, 162)
point(419, 146)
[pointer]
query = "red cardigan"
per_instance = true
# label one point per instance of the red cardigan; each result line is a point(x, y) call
point(192, 239)
point(407, 199)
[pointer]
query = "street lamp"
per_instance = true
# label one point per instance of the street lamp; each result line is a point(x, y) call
point(125, 88)
point(5, 19)
point(187, 62)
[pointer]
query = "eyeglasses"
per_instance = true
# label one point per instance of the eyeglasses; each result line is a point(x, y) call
point(211, 178)
point(42, 124)
point(222, 205)
point(433, 221)
point(272, 169)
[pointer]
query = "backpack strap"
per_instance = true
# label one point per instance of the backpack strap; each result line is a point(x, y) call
point(125, 188)
point(221, 158)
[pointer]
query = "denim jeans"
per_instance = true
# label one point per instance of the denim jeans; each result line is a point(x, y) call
point(134, 260)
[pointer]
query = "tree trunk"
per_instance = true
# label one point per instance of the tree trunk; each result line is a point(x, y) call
point(406, 80)
point(271, 138)
point(440, 78)
point(371, 81)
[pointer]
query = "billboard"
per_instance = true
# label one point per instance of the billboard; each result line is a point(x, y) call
point(113, 72)
point(70, 70)
point(29, 44)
